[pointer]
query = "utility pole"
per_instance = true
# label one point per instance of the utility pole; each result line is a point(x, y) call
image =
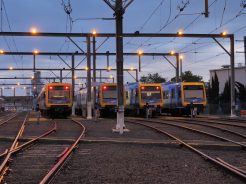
point(94, 74)
point(119, 11)
point(206, 9)
point(34, 83)
point(88, 77)
point(177, 67)
point(61, 76)
point(73, 76)
point(245, 52)
point(232, 58)
point(73, 79)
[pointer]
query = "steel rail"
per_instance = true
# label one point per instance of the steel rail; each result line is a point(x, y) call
point(224, 123)
point(226, 119)
point(32, 141)
point(199, 131)
point(224, 164)
point(58, 166)
point(232, 166)
point(210, 126)
point(5, 121)
point(6, 160)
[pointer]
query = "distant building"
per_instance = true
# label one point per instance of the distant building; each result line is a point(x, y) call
point(36, 84)
point(224, 73)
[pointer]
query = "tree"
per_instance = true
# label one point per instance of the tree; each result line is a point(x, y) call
point(188, 76)
point(225, 97)
point(241, 94)
point(213, 94)
point(152, 78)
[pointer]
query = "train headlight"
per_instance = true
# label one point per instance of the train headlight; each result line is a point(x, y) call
point(50, 87)
point(104, 87)
point(66, 87)
point(142, 87)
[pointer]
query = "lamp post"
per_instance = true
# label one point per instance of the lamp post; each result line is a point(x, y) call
point(181, 61)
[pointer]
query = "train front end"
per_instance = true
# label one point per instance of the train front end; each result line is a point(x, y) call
point(151, 97)
point(107, 98)
point(193, 95)
point(59, 99)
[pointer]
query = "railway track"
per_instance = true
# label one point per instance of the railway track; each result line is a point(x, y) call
point(42, 156)
point(7, 118)
point(223, 119)
point(234, 129)
point(15, 148)
point(215, 160)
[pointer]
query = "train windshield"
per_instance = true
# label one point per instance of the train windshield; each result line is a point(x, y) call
point(109, 93)
point(59, 94)
point(193, 92)
point(150, 94)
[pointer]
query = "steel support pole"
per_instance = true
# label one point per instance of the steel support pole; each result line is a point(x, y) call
point(206, 8)
point(94, 74)
point(89, 107)
point(100, 77)
point(73, 76)
point(107, 59)
point(177, 68)
point(136, 75)
point(119, 63)
point(73, 82)
point(245, 52)
point(60, 76)
point(181, 63)
point(139, 63)
point(34, 83)
point(232, 58)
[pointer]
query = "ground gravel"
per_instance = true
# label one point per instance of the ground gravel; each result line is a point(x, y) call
point(118, 163)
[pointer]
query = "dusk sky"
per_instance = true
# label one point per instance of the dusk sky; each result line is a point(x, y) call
point(146, 16)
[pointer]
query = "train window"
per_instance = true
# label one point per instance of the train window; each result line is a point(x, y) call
point(109, 92)
point(193, 92)
point(58, 95)
point(151, 93)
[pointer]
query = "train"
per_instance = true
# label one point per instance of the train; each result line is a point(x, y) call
point(55, 99)
point(106, 100)
point(179, 97)
point(139, 97)
point(172, 98)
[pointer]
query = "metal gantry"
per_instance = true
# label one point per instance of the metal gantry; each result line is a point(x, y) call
point(119, 54)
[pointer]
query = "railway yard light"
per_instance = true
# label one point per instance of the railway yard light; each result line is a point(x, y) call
point(32, 77)
point(33, 30)
point(75, 77)
point(109, 68)
point(111, 76)
point(86, 68)
point(11, 68)
point(172, 52)
point(35, 51)
point(180, 33)
point(18, 83)
point(224, 33)
point(131, 68)
point(94, 32)
point(1, 51)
